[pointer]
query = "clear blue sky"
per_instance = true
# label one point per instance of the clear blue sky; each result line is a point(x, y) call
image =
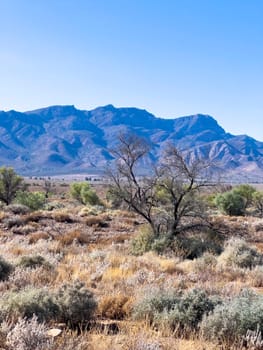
point(171, 57)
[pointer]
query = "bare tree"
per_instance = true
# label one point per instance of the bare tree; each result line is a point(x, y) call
point(137, 193)
point(167, 198)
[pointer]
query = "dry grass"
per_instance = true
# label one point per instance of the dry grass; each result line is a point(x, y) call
point(95, 249)
point(74, 236)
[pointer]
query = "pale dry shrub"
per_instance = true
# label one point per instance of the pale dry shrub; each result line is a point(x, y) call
point(253, 340)
point(142, 342)
point(28, 335)
point(256, 277)
point(230, 321)
point(15, 220)
point(36, 277)
point(18, 209)
point(23, 230)
point(238, 253)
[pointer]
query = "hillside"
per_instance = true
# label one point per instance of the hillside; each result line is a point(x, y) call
point(63, 139)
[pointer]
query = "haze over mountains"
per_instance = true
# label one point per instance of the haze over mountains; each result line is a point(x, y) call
point(63, 139)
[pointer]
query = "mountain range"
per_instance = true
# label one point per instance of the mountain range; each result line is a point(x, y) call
point(63, 140)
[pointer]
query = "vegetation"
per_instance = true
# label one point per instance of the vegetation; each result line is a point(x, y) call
point(10, 183)
point(165, 198)
point(84, 194)
point(110, 280)
point(33, 200)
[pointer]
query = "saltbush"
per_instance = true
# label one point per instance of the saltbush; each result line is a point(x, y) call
point(76, 304)
point(153, 303)
point(238, 253)
point(28, 302)
point(174, 309)
point(231, 320)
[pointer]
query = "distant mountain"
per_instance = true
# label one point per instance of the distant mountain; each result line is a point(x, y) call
point(63, 139)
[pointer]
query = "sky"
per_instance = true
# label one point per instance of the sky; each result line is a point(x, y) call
point(170, 57)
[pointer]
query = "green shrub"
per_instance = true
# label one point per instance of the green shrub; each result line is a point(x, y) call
point(84, 194)
point(10, 183)
point(238, 253)
point(246, 191)
point(76, 304)
point(33, 200)
point(188, 311)
point(28, 302)
point(231, 320)
point(231, 203)
point(173, 309)
point(5, 269)
point(153, 303)
point(33, 261)
point(143, 241)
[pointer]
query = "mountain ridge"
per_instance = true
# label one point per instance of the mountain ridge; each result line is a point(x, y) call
point(64, 139)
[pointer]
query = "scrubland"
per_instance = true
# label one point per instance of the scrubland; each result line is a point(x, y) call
point(72, 277)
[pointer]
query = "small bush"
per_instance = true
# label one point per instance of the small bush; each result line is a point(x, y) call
point(18, 209)
point(5, 269)
point(33, 200)
point(194, 247)
point(229, 322)
point(28, 335)
point(53, 205)
point(188, 311)
point(13, 221)
point(231, 203)
point(238, 253)
point(28, 302)
point(153, 303)
point(173, 309)
point(76, 304)
point(142, 243)
point(256, 276)
point(33, 261)
point(84, 194)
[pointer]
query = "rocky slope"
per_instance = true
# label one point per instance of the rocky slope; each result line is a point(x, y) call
point(63, 139)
